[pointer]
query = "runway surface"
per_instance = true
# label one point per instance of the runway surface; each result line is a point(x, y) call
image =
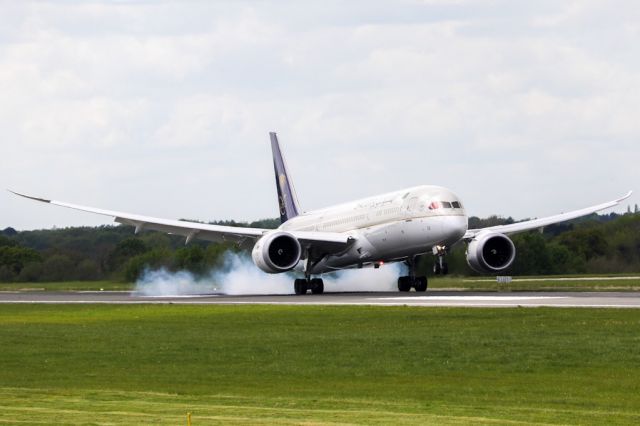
point(430, 298)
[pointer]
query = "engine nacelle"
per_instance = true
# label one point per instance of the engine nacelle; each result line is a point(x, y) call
point(277, 252)
point(490, 252)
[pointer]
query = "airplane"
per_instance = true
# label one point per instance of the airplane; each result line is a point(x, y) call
point(398, 226)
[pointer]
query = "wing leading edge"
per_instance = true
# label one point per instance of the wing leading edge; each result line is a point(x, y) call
point(191, 230)
point(546, 221)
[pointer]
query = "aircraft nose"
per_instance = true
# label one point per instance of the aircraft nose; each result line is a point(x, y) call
point(457, 227)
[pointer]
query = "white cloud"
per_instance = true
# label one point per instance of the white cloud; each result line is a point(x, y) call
point(164, 108)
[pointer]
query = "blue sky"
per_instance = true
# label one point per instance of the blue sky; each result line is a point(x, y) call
point(523, 109)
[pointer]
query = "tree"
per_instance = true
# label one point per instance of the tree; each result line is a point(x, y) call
point(532, 254)
point(190, 258)
point(125, 250)
point(15, 258)
point(87, 269)
point(57, 268)
point(7, 242)
point(586, 241)
point(9, 232)
point(154, 259)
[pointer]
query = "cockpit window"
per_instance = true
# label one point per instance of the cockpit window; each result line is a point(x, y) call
point(434, 205)
point(446, 204)
point(456, 205)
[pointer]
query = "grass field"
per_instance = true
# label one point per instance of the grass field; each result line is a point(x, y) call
point(540, 283)
point(68, 286)
point(105, 364)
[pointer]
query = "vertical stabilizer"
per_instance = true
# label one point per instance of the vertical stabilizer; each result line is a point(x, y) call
point(287, 199)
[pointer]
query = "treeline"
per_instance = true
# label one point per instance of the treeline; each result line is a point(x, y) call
point(596, 244)
point(105, 253)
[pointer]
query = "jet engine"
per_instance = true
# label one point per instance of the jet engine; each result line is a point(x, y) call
point(490, 252)
point(277, 252)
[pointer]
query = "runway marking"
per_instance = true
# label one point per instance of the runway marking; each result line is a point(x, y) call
point(175, 296)
point(470, 298)
point(484, 280)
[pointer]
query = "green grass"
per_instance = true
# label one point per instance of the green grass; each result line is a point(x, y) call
point(539, 283)
point(98, 364)
point(68, 286)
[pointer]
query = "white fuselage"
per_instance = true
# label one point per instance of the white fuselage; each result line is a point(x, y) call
point(387, 227)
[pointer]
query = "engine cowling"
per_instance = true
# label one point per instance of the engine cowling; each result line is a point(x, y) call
point(277, 252)
point(490, 252)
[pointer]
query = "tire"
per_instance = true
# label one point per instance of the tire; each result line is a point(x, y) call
point(436, 268)
point(300, 286)
point(404, 284)
point(421, 284)
point(317, 286)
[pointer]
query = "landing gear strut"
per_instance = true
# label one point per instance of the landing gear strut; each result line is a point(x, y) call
point(406, 282)
point(440, 266)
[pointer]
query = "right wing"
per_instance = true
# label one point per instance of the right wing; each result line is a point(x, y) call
point(327, 241)
point(527, 225)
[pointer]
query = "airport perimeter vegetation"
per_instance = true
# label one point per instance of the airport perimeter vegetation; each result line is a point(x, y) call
point(115, 364)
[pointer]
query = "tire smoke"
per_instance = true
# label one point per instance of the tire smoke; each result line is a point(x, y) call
point(238, 275)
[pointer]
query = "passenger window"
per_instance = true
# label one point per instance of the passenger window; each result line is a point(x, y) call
point(446, 204)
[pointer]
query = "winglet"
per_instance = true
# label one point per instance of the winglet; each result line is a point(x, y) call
point(287, 199)
point(43, 200)
point(628, 194)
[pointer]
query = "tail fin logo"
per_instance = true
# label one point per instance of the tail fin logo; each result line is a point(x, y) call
point(282, 179)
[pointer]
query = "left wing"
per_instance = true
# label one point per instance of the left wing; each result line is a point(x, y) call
point(328, 241)
point(545, 221)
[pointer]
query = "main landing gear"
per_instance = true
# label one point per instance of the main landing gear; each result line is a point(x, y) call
point(302, 285)
point(406, 282)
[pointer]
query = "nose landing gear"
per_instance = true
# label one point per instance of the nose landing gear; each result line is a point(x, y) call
point(440, 266)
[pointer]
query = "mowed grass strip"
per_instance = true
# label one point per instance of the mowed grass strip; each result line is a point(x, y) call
point(551, 283)
point(291, 364)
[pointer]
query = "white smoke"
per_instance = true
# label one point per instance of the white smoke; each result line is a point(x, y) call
point(367, 279)
point(161, 282)
point(239, 276)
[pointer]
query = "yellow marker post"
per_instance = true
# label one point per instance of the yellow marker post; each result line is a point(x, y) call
point(188, 419)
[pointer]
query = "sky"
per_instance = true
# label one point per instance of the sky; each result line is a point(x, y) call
point(163, 108)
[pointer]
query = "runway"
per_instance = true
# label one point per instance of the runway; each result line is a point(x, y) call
point(430, 298)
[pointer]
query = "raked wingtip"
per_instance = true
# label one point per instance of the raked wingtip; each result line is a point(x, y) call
point(627, 195)
point(43, 200)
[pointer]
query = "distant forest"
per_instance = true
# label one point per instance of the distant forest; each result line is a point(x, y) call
point(594, 244)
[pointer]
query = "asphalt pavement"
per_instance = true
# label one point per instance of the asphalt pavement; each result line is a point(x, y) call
point(430, 298)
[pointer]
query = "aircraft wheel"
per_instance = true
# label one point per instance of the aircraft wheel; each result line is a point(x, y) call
point(317, 286)
point(300, 286)
point(420, 284)
point(404, 283)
